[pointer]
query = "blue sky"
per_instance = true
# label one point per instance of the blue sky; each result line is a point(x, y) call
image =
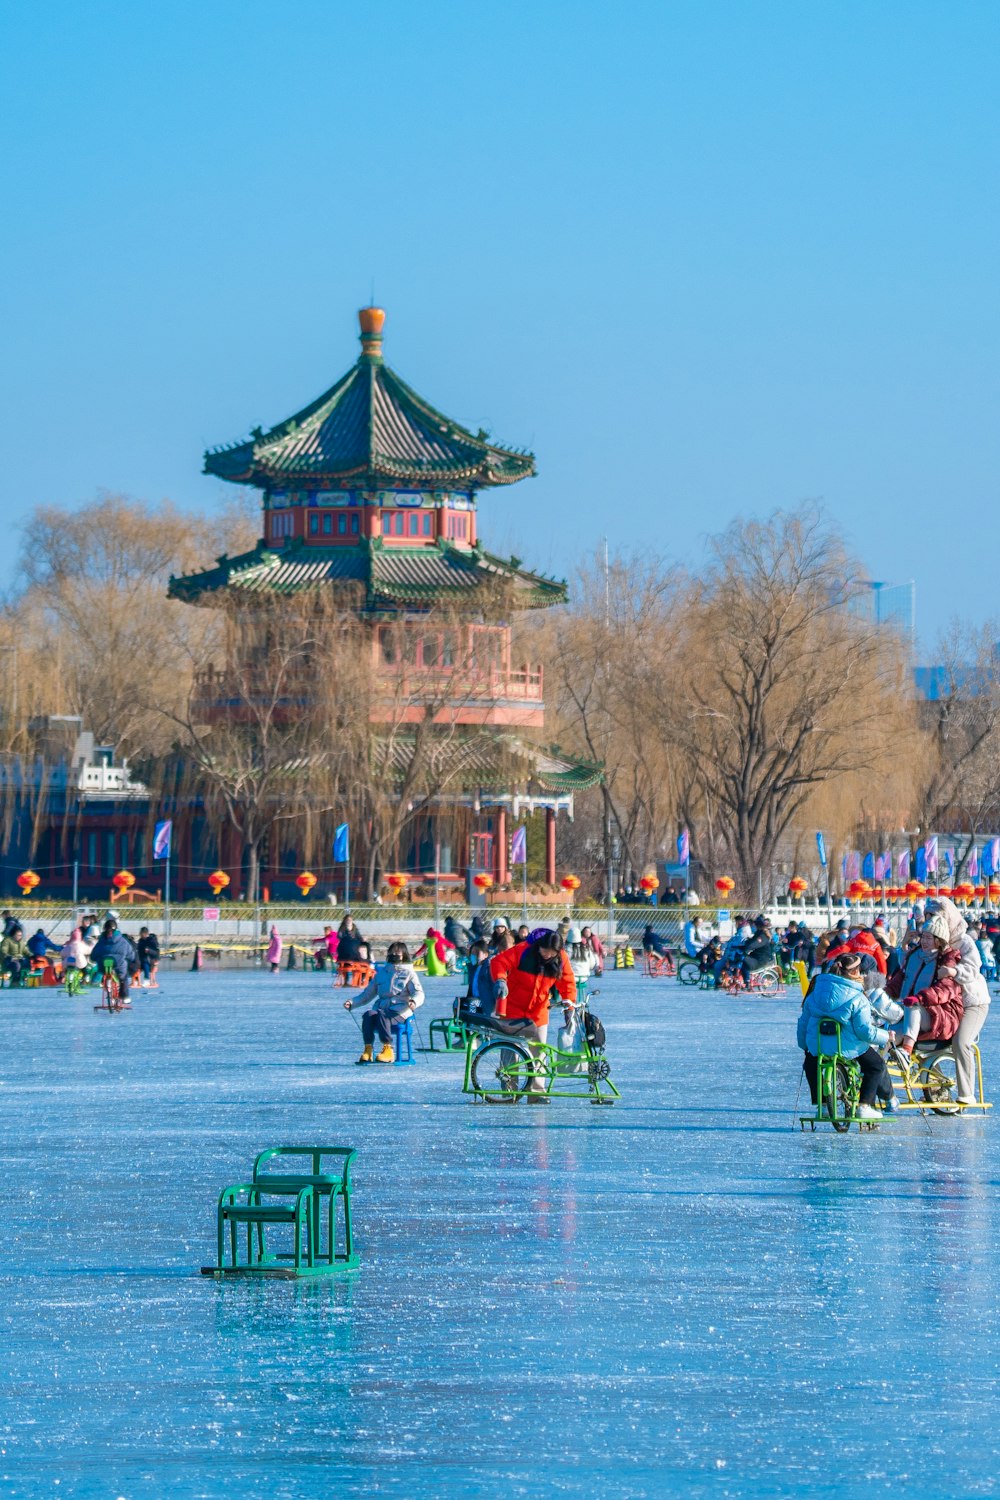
point(703, 257)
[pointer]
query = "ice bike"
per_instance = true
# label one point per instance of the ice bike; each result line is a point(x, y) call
point(838, 1085)
point(659, 965)
point(926, 1079)
point(503, 1069)
point(111, 989)
point(766, 982)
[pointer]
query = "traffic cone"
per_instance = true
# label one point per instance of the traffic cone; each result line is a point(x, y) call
point(196, 962)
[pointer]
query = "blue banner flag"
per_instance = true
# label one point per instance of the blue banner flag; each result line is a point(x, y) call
point(684, 848)
point(342, 844)
point(868, 867)
point(949, 862)
point(161, 839)
point(821, 849)
point(922, 863)
point(519, 846)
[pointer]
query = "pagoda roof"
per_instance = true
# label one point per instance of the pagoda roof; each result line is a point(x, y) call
point(372, 431)
point(392, 577)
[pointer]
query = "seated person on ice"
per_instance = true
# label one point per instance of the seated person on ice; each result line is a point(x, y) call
point(14, 956)
point(396, 992)
point(710, 957)
point(758, 951)
point(861, 940)
point(40, 946)
point(351, 946)
point(654, 943)
point(928, 988)
point(75, 952)
point(838, 995)
point(478, 998)
point(113, 945)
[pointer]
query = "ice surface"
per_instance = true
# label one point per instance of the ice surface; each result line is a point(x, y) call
point(678, 1296)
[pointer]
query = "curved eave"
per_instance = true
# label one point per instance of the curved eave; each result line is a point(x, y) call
point(370, 409)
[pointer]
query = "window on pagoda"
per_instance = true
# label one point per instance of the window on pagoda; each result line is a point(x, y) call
point(407, 524)
point(457, 527)
point(281, 524)
point(333, 524)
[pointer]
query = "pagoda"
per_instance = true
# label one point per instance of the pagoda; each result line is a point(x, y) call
point(372, 487)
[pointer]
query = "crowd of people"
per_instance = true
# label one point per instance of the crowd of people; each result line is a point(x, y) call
point(89, 944)
point(890, 995)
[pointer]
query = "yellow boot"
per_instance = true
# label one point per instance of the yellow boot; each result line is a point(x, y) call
point(386, 1055)
point(366, 1056)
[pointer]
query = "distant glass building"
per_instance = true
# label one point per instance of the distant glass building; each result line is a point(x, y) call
point(892, 604)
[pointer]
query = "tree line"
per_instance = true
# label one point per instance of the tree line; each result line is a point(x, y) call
point(749, 702)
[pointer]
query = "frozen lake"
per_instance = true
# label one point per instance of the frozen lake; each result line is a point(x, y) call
point(682, 1295)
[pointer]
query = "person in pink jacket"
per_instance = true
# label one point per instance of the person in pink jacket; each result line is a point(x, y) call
point(274, 948)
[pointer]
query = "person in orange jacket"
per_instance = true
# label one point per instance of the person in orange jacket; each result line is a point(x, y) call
point(525, 976)
point(862, 941)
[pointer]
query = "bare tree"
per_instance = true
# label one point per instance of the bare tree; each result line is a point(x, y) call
point(957, 786)
point(270, 734)
point(785, 688)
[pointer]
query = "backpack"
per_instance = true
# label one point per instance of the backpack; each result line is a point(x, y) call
point(594, 1032)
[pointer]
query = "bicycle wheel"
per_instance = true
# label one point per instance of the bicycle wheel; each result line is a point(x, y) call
point(837, 1096)
point(501, 1071)
point(939, 1085)
point(688, 972)
point(768, 983)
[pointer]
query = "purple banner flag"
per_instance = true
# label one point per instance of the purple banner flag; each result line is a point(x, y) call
point(973, 866)
point(684, 848)
point(931, 854)
point(519, 846)
point(903, 866)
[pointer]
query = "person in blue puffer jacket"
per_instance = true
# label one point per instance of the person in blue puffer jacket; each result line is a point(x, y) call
point(839, 996)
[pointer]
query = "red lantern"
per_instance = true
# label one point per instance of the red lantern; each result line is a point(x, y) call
point(914, 888)
point(397, 882)
point(980, 892)
point(482, 881)
point(648, 883)
point(218, 881)
point(305, 882)
point(994, 891)
point(797, 886)
point(123, 881)
point(571, 883)
point(28, 881)
point(964, 892)
point(932, 890)
point(724, 885)
point(943, 890)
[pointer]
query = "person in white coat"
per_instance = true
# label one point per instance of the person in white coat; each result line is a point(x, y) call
point(975, 996)
point(396, 992)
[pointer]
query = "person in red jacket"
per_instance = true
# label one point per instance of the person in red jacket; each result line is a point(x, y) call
point(525, 976)
point(861, 941)
point(927, 986)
